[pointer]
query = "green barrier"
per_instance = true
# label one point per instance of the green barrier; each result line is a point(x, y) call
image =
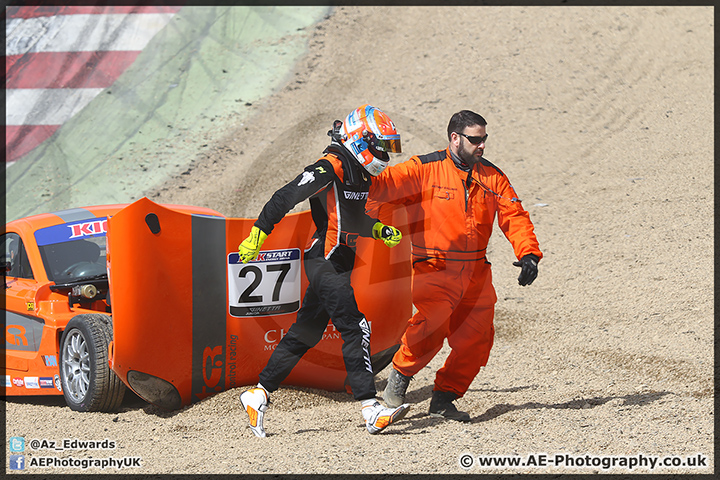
point(195, 77)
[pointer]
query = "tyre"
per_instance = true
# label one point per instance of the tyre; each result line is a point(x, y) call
point(88, 383)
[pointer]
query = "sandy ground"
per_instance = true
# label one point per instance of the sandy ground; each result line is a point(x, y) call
point(602, 118)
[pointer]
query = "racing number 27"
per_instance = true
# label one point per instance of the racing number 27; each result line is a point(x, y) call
point(268, 286)
point(247, 295)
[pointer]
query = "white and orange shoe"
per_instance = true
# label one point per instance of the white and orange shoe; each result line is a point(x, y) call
point(378, 417)
point(255, 402)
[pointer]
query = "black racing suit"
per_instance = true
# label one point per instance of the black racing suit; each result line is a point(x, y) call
point(337, 186)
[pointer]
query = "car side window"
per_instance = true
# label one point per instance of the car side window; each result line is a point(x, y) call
point(14, 252)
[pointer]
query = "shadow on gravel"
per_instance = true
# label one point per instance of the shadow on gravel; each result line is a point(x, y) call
point(44, 400)
point(419, 418)
point(577, 404)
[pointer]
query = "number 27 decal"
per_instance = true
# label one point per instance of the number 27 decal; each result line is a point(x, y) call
point(269, 285)
point(246, 296)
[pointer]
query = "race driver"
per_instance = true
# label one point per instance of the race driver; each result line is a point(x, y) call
point(337, 185)
point(452, 197)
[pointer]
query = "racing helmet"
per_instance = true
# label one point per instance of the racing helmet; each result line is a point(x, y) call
point(369, 134)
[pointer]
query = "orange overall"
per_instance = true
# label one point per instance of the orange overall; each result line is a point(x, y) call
point(451, 217)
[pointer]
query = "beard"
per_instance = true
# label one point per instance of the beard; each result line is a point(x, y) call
point(468, 157)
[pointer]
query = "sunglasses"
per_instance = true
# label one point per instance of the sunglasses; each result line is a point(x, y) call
point(474, 140)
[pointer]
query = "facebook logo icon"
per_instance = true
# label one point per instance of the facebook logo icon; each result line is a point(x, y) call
point(17, 462)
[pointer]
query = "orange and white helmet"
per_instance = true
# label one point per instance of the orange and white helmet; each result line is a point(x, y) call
point(369, 134)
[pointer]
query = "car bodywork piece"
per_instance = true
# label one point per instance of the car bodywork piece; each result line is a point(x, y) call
point(153, 297)
point(191, 320)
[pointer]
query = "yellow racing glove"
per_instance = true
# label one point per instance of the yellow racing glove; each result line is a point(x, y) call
point(388, 234)
point(250, 247)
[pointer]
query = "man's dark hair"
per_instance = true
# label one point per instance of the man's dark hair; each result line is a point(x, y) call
point(464, 119)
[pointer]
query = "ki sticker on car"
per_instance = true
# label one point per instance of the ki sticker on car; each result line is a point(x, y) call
point(268, 285)
point(71, 231)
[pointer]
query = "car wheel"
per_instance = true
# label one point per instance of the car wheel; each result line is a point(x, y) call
point(88, 383)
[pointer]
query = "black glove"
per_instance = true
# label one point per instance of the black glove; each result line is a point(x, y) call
point(528, 274)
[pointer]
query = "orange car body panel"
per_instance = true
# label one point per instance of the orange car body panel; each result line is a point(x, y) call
point(177, 315)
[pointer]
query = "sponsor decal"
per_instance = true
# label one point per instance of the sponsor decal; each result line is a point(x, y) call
point(50, 360)
point(273, 336)
point(307, 177)
point(88, 228)
point(8, 382)
point(278, 255)
point(212, 371)
point(444, 193)
point(365, 327)
point(353, 121)
point(356, 195)
point(232, 362)
point(30, 306)
point(18, 382)
point(268, 285)
point(22, 332)
point(46, 382)
point(58, 382)
point(32, 382)
point(349, 239)
point(358, 146)
point(16, 335)
point(96, 227)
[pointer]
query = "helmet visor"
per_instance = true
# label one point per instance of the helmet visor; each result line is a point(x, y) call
point(390, 143)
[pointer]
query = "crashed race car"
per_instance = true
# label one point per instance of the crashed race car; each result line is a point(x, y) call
point(154, 298)
point(58, 321)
